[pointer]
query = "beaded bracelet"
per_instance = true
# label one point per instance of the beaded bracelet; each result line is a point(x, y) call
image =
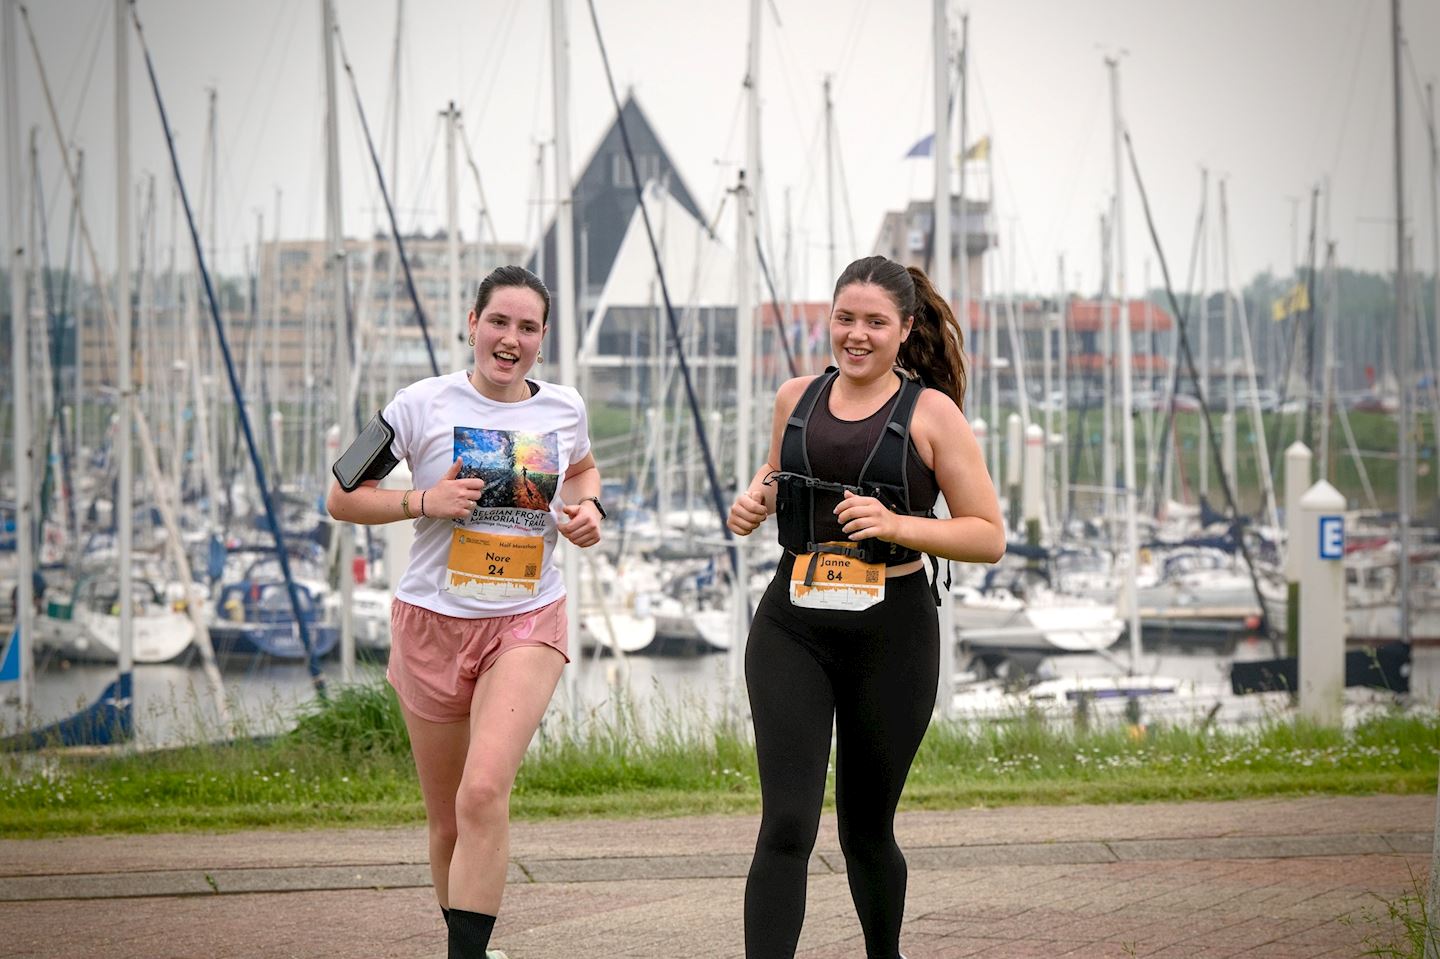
point(422, 502)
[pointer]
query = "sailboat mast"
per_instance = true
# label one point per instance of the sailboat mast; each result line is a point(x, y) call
point(834, 268)
point(1227, 354)
point(124, 513)
point(19, 383)
point(277, 418)
point(1127, 422)
point(962, 299)
point(452, 321)
point(746, 190)
point(335, 266)
point(567, 323)
point(1202, 388)
point(940, 246)
point(1062, 512)
point(391, 347)
point(1107, 372)
point(940, 276)
point(1435, 254)
point(1406, 472)
point(1257, 430)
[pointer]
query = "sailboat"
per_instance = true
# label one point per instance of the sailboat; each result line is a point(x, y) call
point(83, 621)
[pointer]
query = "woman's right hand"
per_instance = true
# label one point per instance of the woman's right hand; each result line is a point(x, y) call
point(452, 497)
point(747, 513)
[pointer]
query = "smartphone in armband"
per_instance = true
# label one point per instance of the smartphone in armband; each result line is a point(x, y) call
point(369, 457)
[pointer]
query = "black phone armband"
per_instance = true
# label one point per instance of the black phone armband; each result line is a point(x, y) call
point(369, 457)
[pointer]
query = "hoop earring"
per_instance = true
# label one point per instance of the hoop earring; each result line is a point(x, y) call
point(472, 339)
point(539, 358)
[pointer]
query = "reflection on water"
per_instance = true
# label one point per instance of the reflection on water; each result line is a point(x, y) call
point(173, 704)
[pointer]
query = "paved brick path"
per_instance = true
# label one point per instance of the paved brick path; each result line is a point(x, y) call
point(1266, 878)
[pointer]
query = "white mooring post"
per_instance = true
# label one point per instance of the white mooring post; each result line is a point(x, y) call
point(1319, 556)
point(1033, 483)
point(1298, 467)
point(1014, 451)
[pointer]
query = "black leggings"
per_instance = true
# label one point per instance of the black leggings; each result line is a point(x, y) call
point(874, 674)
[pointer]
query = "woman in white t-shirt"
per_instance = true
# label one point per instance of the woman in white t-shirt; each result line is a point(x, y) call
point(501, 465)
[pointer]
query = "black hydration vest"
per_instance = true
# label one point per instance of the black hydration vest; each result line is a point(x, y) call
point(883, 477)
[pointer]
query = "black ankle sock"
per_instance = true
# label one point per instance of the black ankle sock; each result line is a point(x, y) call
point(469, 934)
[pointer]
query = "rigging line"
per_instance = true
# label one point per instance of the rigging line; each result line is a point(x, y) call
point(1419, 91)
point(537, 88)
point(240, 130)
point(389, 207)
point(423, 180)
point(479, 189)
point(57, 332)
point(786, 57)
point(1057, 225)
point(1292, 352)
point(89, 72)
point(1159, 454)
point(1022, 237)
point(317, 677)
point(1214, 439)
point(719, 191)
point(261, 72)
point(700, 434)
point(847, 49)
point(775, 306)
point(812, 150)
point(845, 194)
point(499, 41)
point(1354, 82)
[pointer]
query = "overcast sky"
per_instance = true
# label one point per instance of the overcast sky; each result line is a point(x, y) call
point(1274, 95)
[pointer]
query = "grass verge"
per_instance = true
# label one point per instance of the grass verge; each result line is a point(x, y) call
point(347, 763)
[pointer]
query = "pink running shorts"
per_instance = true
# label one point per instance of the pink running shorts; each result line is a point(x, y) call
point(436, 659)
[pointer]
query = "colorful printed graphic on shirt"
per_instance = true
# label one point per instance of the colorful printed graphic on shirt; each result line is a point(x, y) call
point(521, 470)
point(498, 552)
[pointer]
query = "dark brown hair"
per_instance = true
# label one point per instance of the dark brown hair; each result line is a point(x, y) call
point(512, 276)
point(935, 348)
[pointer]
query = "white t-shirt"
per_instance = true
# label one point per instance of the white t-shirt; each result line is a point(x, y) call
point(500, 561)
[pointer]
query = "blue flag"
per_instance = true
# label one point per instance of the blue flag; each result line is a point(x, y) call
point(923, 147)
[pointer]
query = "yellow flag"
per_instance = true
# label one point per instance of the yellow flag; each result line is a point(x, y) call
point(1293, 302)
point(979, 150)
point(1300, 298)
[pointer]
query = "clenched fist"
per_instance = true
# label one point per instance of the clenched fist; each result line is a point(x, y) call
point(452, 497)
point(747, 513)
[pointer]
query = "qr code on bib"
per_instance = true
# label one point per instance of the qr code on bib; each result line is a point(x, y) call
point(529, 570)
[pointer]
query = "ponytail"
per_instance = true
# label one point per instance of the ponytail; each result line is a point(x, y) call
point(935, 348)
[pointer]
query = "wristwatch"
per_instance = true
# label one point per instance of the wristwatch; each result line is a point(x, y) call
point(599, 508)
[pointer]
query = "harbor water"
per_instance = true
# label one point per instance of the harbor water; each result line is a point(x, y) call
point(173, 704)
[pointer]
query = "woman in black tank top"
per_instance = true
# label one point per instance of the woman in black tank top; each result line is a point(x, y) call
point(858, 651)
point(838, 448)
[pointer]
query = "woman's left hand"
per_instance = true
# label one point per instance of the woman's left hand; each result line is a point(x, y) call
point(864, 517)
point(582, 524)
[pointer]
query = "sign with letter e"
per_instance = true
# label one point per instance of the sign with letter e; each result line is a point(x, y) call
point(1332, 537)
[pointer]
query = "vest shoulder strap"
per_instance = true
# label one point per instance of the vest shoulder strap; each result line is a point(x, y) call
point(886, 463)
point(793, 456)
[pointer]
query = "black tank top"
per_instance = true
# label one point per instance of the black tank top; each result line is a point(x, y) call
point(838, 449)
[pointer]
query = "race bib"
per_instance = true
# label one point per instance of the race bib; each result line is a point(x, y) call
point(836, 581)
point(494, 565)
